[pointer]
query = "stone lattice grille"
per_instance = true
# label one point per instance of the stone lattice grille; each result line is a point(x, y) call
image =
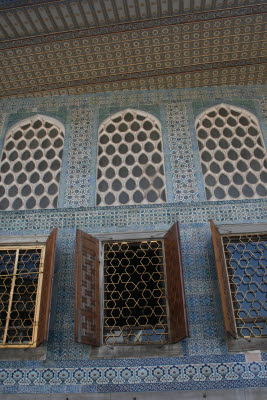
point(31, 164)
point(232, 152)
point(130, 167)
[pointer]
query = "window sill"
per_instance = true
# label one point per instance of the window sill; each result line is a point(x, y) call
point(241, 345)
point(142, 351)
point(25, 354)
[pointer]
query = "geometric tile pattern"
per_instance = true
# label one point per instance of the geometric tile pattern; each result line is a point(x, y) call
point(127, 216)
point(181, 156)
point(238, 74)
point(78, 188)
point(207, 52)
point(263, 108)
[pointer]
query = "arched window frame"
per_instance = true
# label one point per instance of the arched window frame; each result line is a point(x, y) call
point(50, 188)
point(247, 189)
point(154, 185)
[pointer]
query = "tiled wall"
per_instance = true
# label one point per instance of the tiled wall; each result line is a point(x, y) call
point(205, 362)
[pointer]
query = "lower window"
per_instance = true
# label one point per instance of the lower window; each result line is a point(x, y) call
point(135, 304)
point(26, 273)
point(134, 294)
point(241, 260)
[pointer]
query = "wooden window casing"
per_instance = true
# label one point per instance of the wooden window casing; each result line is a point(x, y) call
point(175, 285)
point(224, 286)
point(26, 282)
point(87, 307)
point(87, 291)
point(46, 295)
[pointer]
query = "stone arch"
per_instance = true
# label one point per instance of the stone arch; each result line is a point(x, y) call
point(31, 164)
point(232, 153)
point(130, 164)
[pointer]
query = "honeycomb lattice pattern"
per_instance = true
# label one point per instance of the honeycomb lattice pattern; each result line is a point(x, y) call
point(246, 259)
point(135, 309)
point(19, 275)
point(233, 156)
point(30, 164)
point(130, 167)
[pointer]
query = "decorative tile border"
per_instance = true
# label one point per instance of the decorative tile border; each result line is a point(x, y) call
point(135, 96)
point(107, 219)
point(128, 378)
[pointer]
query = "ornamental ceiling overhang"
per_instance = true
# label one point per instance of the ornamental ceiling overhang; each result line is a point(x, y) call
point(69, 47)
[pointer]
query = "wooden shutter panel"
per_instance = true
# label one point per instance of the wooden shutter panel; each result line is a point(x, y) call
point(87, 307)
point(224, 285)
point(46, 291)
point(175, 285)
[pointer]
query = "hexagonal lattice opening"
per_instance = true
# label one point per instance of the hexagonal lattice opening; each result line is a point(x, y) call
point(232, 153)
point(31, 164)
point(135, 310)
point(130, 167)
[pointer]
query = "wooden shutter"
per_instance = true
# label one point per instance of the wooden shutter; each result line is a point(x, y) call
point(46, 291)
point(224, 285)
point(175, 285)
point(87, 307)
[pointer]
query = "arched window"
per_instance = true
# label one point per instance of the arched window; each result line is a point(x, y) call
point(31, 163)
point(130, 166)
point(232, 152)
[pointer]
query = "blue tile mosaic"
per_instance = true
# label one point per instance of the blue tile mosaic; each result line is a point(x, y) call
point(105, 379)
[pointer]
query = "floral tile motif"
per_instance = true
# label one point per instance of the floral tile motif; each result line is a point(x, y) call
point(107, 378)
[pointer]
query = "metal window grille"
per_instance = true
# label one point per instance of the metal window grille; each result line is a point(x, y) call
point(20, 288)
point(246, 261)
point(135, 304)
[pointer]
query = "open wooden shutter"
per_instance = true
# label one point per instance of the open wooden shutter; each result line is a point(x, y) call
point(87, 307)
point(175, 285)
point(228, 312)
point(46, 291)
